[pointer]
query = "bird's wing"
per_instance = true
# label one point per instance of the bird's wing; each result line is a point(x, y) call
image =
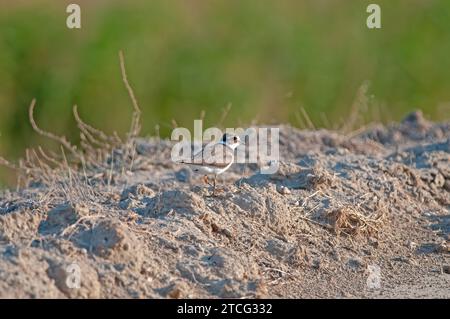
point(217, 155)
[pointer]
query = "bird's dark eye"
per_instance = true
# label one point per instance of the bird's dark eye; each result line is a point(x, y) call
point(235, 139)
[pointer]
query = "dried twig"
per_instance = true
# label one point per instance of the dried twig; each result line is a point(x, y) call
point(48, 158)
point(135, 123)
point(60, 139)
point(307, 119)
point(316, 223)
point(224, 115)
point(93, 133)
point(7, 163)
point(361, 102)
point(299, 120)
point(202, 115)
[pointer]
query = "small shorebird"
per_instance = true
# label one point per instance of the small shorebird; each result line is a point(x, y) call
point(215, 159)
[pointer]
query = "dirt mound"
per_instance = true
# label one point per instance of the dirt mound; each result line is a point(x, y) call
point(362, 214)
point(111, 240)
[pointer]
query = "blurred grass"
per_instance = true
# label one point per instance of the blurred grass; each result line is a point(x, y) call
point(266, 58)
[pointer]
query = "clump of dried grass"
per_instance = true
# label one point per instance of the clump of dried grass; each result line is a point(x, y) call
point(75, 176)
point(346, 220)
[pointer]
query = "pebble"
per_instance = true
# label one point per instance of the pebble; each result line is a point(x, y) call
point(446, 269)
point(411, 245)
point(444, 247)
point(284, 190)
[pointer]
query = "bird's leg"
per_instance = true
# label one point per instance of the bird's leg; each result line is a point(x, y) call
point(205, 179)
point(214, 185)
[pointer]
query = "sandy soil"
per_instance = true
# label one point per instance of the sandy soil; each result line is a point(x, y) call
point(362, 215)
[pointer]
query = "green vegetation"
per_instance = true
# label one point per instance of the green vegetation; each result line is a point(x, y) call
point(266, 58)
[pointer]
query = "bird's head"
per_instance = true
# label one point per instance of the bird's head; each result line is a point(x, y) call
point(231, 140)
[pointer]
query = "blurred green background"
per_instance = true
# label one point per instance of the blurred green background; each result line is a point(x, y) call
point(266, 58)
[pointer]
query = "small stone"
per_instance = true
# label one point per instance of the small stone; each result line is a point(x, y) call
point(446, 269)
point(355, 263)
point(373, 242)
point(439, 180)
point(283, 190)
point(115, 197)
point(411, 245)
point(137, 191)
point(184, 175)
point(444, 247)
point(447, 185)
point(143, 190)
point(227, 233)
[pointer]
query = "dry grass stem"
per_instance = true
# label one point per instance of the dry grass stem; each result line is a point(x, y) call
point(135, 122)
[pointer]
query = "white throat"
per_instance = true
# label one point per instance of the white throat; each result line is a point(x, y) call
point(232, 146)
